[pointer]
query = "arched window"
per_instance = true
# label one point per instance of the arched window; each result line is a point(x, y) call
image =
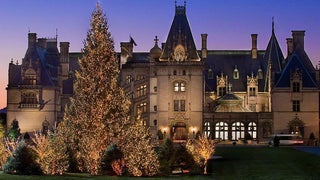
point(260, 74)
point(252, 129)
point(207, 129)
point(236, 73)
point(237, 131)
point(221, 131)
point(210, 74)
point(179, 86)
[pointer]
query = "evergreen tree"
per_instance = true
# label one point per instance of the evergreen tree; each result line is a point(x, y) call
point(14, 131)
point(138, 150)
point(166, 159)
point(22, 161)
point(99, 109)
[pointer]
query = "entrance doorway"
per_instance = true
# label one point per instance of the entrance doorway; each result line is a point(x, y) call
point(179, 131)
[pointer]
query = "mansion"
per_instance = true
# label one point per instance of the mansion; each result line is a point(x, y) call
point(181, 90)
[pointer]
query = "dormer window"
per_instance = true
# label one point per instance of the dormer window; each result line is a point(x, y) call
point(179, 53)
point(236, 73)
point(252, 91)
point(30, 77)
point(295, 86)
point(260, 74)
point(210, 74)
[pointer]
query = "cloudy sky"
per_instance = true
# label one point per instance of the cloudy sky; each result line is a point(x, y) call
point(228, 24)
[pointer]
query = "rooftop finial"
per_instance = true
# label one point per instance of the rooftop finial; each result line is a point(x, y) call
point(156, 40)
point(272, 24)
point(56, 33)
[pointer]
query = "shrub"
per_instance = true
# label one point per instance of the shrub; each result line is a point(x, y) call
point(22, 161)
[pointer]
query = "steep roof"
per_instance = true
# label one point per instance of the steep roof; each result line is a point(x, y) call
point(274, 54)
point(295, 63)
point(180, 33)
point(225, 61)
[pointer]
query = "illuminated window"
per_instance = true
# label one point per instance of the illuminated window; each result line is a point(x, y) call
point(176, 87)
point(179, 86)
point(182, 87)
point(237, 131)
point(235, 73)
point(252, 129)
point(221, 131)
point(128, 79)
point(142, 90)
point(207, 129)
point(142, 107)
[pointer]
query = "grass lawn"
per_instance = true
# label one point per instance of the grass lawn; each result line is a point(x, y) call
point(250, 162)
point(245, 162)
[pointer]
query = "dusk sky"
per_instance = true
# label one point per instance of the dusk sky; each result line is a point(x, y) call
point(228, 23)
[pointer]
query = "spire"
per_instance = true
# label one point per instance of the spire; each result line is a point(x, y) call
point(180, 45)
point(272, 24)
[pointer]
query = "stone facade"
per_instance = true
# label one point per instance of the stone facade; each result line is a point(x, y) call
point(179, 90)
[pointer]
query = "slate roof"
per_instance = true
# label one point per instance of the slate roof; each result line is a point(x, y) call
point(180, 33)
point(294, 62)
point(225, 61)
point(46, 58)
point(274, 54)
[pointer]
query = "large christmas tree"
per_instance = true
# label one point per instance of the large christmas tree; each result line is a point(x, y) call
point(98, 110)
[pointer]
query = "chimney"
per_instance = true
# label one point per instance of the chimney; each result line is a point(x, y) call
point(289, 46)
point(32, 39)
point(298, 40)
point(64, 52)
point(126, 51)
point(42, 42)
point(163, 45)
point(254, 51)
point(204, 45)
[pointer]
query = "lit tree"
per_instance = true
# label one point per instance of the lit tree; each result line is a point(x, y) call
point(4, 154)
point(51, 153)
point(201, 149)
point(99, 109)
point(138, 150)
